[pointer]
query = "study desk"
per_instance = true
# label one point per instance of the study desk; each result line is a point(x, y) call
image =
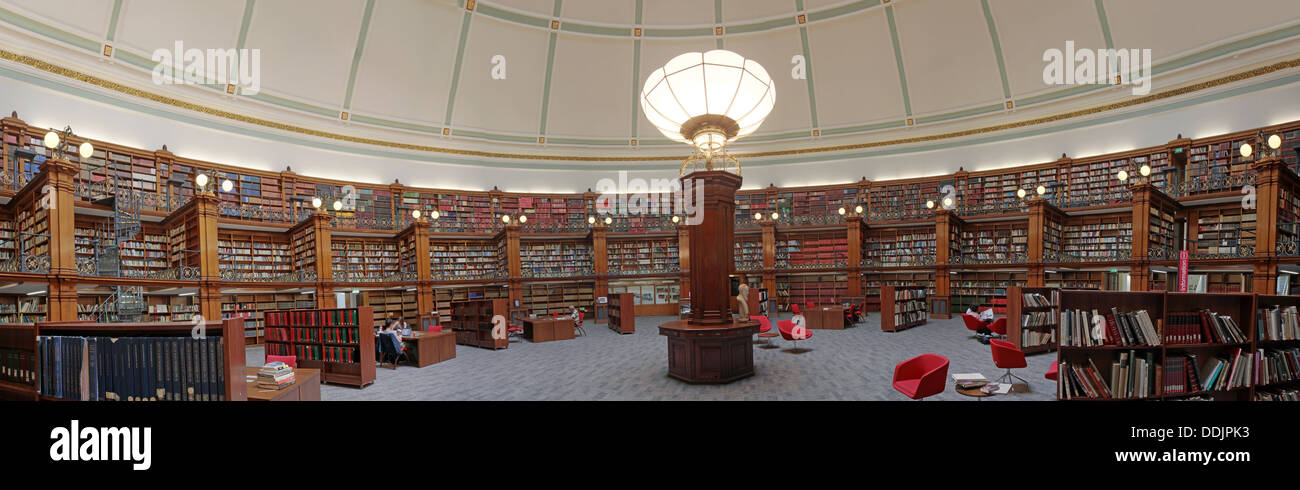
point(305, 388)
point(824, 318)
point(547, 329)
point(425, 348)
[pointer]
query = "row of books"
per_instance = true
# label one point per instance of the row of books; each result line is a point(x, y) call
point(317, 318)
point(1037, 319)
point(132, 368)
point(17, 366)
point(1036, 300)
point(1203, 326)
point(1278, 323)
point(1033, 338)
point(1277, 365)
point(1281, 395)
point(902, 294)
point(1132, 375)
point(904, 319)
point(1118, 328)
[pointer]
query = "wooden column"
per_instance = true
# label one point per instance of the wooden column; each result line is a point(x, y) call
point(1038, 219)
point(56, 190)
point(1145, 195)
point(684, 260)
point(600, 258)
point(1271, 174)
point(61, 300)
point(854, 228)
point(944, 221)
point(514, 266)
point(204, 208)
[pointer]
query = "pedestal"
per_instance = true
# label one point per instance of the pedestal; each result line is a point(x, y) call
point(710, 353)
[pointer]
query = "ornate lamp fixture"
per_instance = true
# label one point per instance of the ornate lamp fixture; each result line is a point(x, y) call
point(708, 100)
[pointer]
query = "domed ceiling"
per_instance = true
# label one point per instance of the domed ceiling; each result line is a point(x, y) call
point(559, 79)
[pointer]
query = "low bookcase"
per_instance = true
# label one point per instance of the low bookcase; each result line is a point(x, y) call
point(902, 307)
point(622, 315)
point(1032, 314)
point(472, 321)
point(340, 342)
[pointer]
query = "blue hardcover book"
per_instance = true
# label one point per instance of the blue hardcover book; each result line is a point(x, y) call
point(220, 363)
point(92, 367)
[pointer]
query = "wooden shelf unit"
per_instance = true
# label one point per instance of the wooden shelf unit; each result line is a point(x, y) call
point(1032, 328)
point(18, 362)
point(257, 255)
point(340, 342)
point(555, 259)
point(622, 315)
point(549, 298)
point(811, 250)
point(996, 242)
point(472, 321)
point(400, 302)
point(444, 297)
point(872, 281)
point(819, 288)
point(642, 256)
point(975, 288)
point(251, 307)
point(1098, 238)
point(219, 378)
point(748, 253)
point(1103, 356)
point(903, 307)
point(453, 260)
point(374, 259)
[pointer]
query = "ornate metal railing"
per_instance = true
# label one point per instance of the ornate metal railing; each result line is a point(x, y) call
point(556, 227)
point(899, 214)
point(642, 224)
point(783, 264)
point(998, 206)
point(1093, 199)
point(1055, 257)
point(25, 262)
point(476, 277)
point(1013, 258)
point(1207, 185)
point(348, 276)
point(530, 274)
point(657, 270)
point(747, 223)
point(748, 267)
point(305, 275)
point(261, 213)
point(1288, 242)
point(1161, 252)
point(924, 260)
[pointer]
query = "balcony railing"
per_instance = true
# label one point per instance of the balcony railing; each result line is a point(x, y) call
point(784, 264)
point(1061, 257)
point(1012, 258)
point(25, 262)
point(1210, 185)
point(633, 272)
point(555, 227)
point(355, 277)
point(475, 277)
point(1092, 199)
point(1288, 241)
point(253, 276)
point(530, 274)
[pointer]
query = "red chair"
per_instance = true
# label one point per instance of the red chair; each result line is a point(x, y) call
point(972, 323)
point(764, 332)
point(578, 326)
point(290, 360)
point(786, 327)
point(794, 308)
point(999, 326)
point(435, 328)
point(515, 333)
point(921, 376)
point(1007, 356)
point(1052, 371)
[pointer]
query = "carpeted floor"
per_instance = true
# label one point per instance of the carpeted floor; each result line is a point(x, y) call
point(853, 364)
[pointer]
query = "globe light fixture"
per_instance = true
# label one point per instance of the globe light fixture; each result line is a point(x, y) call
point(415, 213)
point(609, 220)
point(435, 214)
point(338, 205)
point(86, 150)
point(591, 220)
point(505, 218)
point(1041, 190)
point(52, 140)
point(775, 215)
point(947, 202)
point(676, 219)
point(1020, 193)
point(708, 100)
point(201, 180)
point(858, 209)
point(227, 185)
point(1246, 150)
point(758, 216)
point(841, 211)
point(1275, 142)
point(315, 202)
point(1122, 176)
point(523, 218)
point(929, 204)
point(1145, 170)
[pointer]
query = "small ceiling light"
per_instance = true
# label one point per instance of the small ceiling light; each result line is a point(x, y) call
point(86, 149)
point(201, 180)
point(758, 216)
point(929, 204)
point(1145, 170)
point(51, 140)
point(676, 219)
point(609, 220)
point(1123, 175)
point(947, 202)
point(1021, 193)
point(1041, 190)
point(227, 185)
point(1275, 142)
point(415, 214)
point(523, 218)
point(338, 205)
point(858, 209)
point(435, 214)
point(775, 215)
point(1246, 150)
point(315, 202)
point(505, 218)
point(841, 211)
point(591, 220)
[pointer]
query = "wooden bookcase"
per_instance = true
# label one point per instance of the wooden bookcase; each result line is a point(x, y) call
point(552, 259)
point(258, 256)
point(805, 251)
point(872, 281)
point(1105, 357)
point(340, 342)
point(748, 253)
point(1032, 328)
point(399, 302)
point(824, 288)
point(252, 307)
point(227, 383)
point(903, 307)
point(444, 297)
point(622, 315)
point(549, 298)
point(472, 321)
point(985, 287)
point(464, 259)
point(643, 256)
point(374, 259)
point(20, 308)
point(18, 362)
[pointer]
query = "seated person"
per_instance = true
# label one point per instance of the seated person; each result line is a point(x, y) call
point(574, 314)
point(985, 314)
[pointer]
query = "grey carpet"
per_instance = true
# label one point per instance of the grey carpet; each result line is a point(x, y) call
point(853, 364)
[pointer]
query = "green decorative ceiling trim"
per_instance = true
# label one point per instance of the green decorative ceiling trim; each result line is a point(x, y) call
point(546, 86)
point(761, 26)
point(898, 58)
point(455, 69)
point(1059, 94)
point(51, 32)
point(1227, 48)
point(244, 22)
point(584, 141)
point(717, 21)
point(258, 131)
point(808, 73)
point(997, 48)
point(293, 104)
point(678, 32)
point(636, 78)
point(356, 54)
point(1105, 23)
point(112, 20)
point(778, 136)
point(469, 133)
point(863, 128)
point(511, 16)
point(375, 121)
point(133, 59)
point(595, 29)
point(842, 10)
point(639, 12)
point(974, 111)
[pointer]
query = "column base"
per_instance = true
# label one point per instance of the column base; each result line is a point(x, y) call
point(710, 354)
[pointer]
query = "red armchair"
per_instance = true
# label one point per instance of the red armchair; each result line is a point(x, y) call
point(1007, 356)
point(972, 323)
point(999, 326)
point(921, 376)
point(786, 327)
point(290, 360)
point(578, 326)
point(764, 332)
point(1052, 371)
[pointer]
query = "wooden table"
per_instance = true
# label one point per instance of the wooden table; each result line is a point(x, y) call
point(425, 348)
point(547, 329)
point(824, 318)
point(975, 392)
point(305, 388)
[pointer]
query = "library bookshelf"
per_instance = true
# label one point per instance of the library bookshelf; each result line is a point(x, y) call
point(1032, 314)
point(472, 321)
point(622, 315)
point(340, 342)
point(18, 363)
point(177, 366)
point(902, 307)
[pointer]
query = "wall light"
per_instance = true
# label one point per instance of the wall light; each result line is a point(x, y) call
point(775, 215)
point(52, 140)
point(1122, 176)
point(591, 220)
point(523, 218)
point(609, 220)
point(858, 209)
point(1275, 142)
point(338, 205)
point(415, 213)
point(1021, 193)
point(86, 150)
point(1145, 170)
point(201, 180)
point(227, 185)
point(929, 204)
point(505, 218)
point(841, 211)
point(1246, 150)
point(315, 202)
point(435, 214)
point(1041, 190)
point(676, 219)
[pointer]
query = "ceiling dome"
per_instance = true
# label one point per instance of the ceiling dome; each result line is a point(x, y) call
point(717, 89)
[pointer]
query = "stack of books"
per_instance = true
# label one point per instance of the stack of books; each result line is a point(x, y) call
point(275, 376)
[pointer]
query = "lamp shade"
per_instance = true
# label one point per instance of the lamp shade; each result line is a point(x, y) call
point(708, 99)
